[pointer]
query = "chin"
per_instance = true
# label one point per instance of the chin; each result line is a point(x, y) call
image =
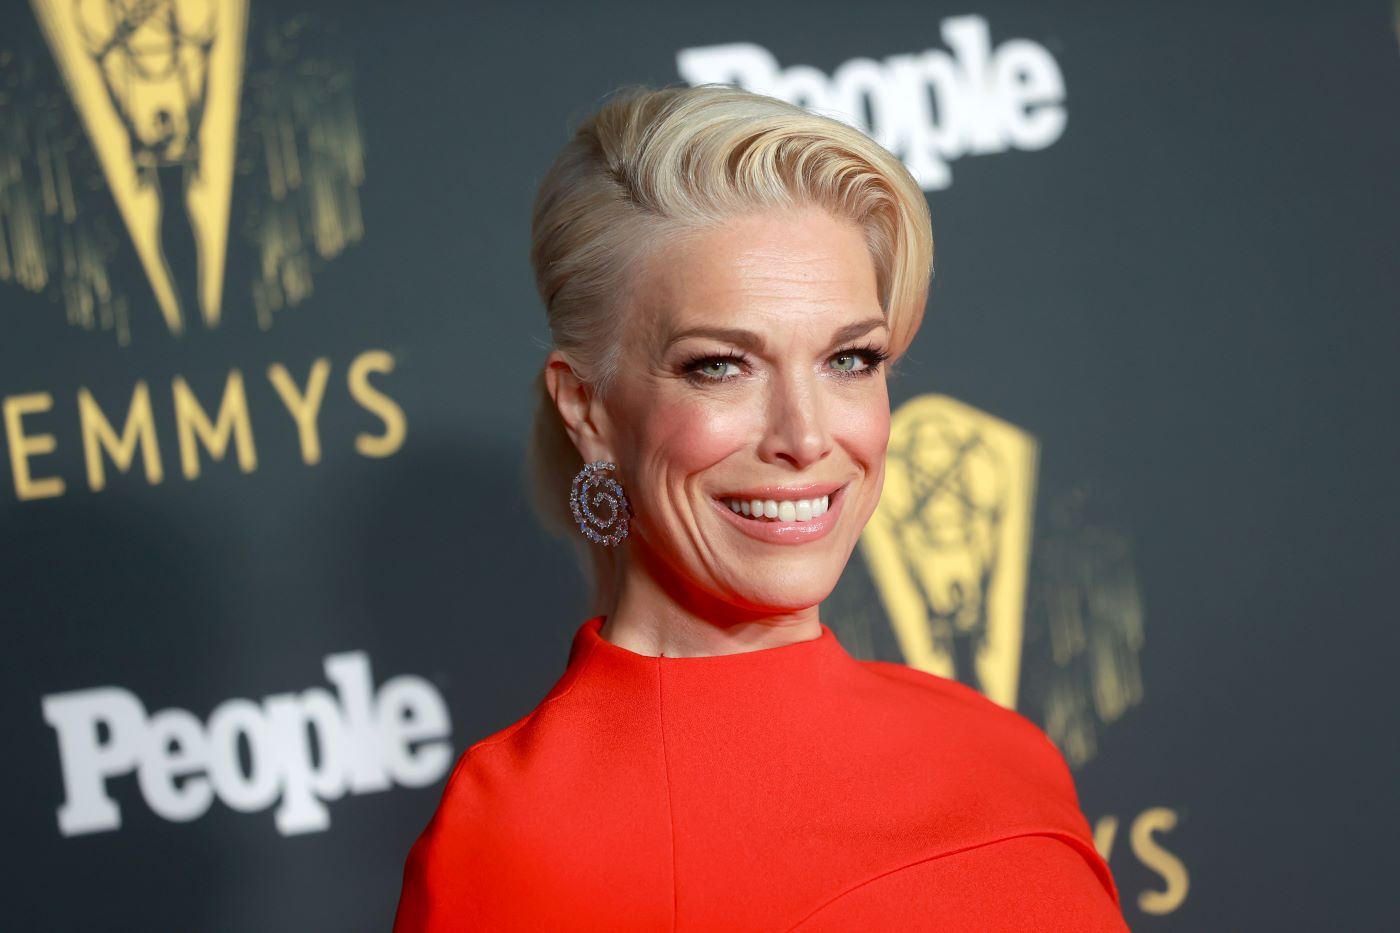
point(777, 593)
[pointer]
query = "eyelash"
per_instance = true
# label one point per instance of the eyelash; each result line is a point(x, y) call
point(873, 355)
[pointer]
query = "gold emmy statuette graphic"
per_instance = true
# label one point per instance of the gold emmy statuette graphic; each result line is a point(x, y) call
point(149, 114)
point(949, 543)
point(157, 86)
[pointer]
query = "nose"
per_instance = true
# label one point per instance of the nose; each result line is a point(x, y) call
point(797, 431)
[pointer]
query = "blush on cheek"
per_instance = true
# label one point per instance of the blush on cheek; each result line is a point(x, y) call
point(863, 428)
point(687, 437)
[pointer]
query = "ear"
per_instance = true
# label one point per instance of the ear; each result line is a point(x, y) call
point(579, 408)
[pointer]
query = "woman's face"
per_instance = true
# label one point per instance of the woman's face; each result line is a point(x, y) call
point(752, 377)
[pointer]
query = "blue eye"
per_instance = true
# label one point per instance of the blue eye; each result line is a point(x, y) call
point(708, 368)
point(849, 362)
point(714, 368)
point(858, 361)
point(853, 361)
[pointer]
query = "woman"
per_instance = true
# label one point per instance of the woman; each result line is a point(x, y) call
point(727, 278)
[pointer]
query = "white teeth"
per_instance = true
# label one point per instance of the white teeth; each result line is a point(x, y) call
point(785, 510)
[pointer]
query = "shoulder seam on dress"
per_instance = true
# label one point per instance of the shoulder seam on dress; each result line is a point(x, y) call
point(1070, 839)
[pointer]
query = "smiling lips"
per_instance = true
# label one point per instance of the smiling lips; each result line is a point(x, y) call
point(783, 515)
point(784, 510)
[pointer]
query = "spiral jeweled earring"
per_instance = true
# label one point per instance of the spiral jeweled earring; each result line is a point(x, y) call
point(592, 489)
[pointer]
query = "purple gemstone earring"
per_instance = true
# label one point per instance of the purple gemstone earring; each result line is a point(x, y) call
point(592, 489)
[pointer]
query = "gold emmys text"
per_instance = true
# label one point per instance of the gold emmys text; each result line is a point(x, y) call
point(198, 434)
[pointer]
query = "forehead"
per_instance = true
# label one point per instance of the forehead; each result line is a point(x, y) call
point(800, 270)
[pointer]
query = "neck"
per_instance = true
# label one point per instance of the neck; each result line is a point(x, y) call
point(658, 612)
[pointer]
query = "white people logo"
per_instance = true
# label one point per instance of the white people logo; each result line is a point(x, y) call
point(929, 108)
point(365, 740)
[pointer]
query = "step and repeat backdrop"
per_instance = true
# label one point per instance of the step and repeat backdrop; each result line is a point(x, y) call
point(267, 334)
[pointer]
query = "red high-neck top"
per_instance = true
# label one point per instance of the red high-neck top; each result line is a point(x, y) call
point(788, 788)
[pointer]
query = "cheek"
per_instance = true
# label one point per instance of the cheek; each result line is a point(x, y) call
point(683, 437)
point(863, 427)
point(865, 435)
point(875, 436)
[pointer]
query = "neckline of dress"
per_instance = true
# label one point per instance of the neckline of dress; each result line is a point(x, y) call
point(600, 672)
point(589, 641)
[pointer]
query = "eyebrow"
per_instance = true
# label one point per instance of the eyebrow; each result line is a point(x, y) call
point(752, 341)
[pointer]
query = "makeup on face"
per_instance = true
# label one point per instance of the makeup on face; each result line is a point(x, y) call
point(756, 404)
point(785, 519)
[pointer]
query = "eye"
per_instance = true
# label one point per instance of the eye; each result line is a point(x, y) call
point(848, 362)
point(858, 361)
point(719, 369)
point(714, 368)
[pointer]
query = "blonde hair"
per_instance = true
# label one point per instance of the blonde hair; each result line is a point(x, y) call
point(652, 163)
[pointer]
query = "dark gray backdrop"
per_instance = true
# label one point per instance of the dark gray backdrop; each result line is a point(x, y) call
point(1189, 299)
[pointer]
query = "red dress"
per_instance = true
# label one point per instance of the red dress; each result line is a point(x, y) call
point(789, 788)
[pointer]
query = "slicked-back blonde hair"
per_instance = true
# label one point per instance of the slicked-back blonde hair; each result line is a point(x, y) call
point(653, 163)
